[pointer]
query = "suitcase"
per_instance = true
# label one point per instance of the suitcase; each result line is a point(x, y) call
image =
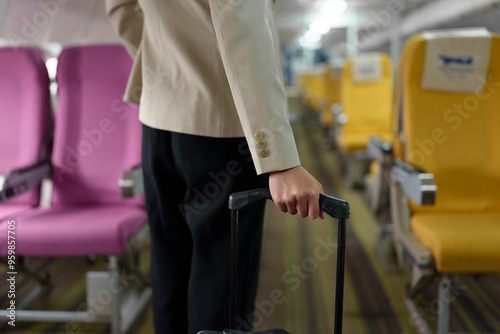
point(334, 207)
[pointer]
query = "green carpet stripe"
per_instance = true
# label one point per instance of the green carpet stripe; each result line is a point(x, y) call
point(353, 321)
point(491, 283)
point(316, 325)
point(292, 293)
point(270, 274)
point(482, 302)
point(325, 275)
point(471, 311)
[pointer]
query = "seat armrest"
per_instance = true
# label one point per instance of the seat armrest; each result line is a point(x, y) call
point(379, 149)
point(417, 185)
point(132, 182)
point(416, 250)
point(20, 181)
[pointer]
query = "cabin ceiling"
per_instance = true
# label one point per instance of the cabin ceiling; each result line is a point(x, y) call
point(84, 21)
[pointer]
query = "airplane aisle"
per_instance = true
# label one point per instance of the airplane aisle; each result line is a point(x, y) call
point(296, 288)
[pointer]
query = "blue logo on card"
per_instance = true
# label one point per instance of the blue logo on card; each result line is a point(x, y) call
point(457, 60)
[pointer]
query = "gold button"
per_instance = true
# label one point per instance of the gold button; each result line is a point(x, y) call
point(259, 135)
point(264, 153)
point(262, 143)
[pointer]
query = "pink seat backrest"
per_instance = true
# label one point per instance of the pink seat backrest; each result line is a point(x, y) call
point(24, 111)
point(97, 136)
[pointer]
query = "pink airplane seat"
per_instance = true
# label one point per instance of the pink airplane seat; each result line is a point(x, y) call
point(97, 139)
point(25, 117)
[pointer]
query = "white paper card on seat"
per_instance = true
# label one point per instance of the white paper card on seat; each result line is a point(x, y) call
point(456, 60)
point(367, 68)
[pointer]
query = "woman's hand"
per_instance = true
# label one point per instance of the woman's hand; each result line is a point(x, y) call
point(296, 191)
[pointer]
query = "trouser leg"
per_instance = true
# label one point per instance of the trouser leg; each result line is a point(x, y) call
point(171, 242)
point(219, 168)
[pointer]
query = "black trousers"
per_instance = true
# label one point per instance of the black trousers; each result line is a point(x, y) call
point(188, 180)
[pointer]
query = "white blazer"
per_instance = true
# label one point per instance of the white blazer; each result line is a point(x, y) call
point(209, 68)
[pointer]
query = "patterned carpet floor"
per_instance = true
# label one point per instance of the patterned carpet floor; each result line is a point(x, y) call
point(297, 278)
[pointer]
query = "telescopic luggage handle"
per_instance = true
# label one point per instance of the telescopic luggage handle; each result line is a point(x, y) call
point(334, 207)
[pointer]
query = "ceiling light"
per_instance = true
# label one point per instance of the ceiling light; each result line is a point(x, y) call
point(312, 36)
point(308, 44)
point(333, 7)
point(319, 27)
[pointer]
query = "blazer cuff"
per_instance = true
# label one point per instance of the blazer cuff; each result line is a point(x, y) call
point(273, 149)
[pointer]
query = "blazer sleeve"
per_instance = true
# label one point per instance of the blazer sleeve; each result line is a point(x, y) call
point(127, 20)
point(249, 46)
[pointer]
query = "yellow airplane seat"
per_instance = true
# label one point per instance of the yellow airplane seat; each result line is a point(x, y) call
point(445, 195)
point(317, 89)
point(365, 110)
point(331, 97)
point(303, 83)
point(333, 75)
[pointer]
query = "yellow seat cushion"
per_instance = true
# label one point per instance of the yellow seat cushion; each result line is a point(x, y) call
point(460, 242)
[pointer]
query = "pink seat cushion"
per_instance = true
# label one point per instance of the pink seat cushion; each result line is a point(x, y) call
point(10, 211)
point(74, 230)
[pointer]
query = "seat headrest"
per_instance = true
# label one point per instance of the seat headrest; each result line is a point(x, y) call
point(367, 68)
point(456, 60)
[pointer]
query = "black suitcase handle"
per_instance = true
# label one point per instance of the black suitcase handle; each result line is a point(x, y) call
point(334, 207)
